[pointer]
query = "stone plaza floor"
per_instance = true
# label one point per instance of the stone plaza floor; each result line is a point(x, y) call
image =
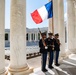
point(67, 67)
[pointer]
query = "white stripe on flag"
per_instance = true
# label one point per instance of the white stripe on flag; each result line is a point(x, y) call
point(43, 13)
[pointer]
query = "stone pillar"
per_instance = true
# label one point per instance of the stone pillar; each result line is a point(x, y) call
point(75, 24)
point(55, 18)
point(35, 37)
point(18, 65)
point(30, 37)
point(61, 27)
point(58, 21)
point(9, 36)
point(2, 34)
point(71, 26)
point(50, 24)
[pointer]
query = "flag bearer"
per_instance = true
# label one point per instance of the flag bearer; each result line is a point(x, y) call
point(43, 51)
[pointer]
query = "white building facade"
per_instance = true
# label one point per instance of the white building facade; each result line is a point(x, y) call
point(32, 36)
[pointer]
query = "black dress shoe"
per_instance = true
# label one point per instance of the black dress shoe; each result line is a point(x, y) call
point(51, 67)
point(57, 64)
point(44, 70)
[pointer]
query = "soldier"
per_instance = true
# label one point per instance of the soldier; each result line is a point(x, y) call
point(57, 48)
point(43, 51)
point(50, 44)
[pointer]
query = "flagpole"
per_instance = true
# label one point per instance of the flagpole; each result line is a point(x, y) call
point(52, 20)
point(52, 26)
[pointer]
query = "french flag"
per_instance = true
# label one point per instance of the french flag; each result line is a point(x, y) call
point(43, 13)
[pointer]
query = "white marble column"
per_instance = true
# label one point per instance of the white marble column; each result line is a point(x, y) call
point(71, 26)
point(18, 64)
point(75, 23)
point(2, 34)
point(35, 37)
point(50, 24)
point(55, 18)
point(61, 27)
point(58, 21)
point(28, 37)
point(39, 36)
point(9, 36)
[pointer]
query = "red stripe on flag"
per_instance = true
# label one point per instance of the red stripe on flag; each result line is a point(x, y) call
point(36, 17)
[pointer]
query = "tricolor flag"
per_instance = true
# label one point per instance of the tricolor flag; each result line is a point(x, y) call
point(43, 13)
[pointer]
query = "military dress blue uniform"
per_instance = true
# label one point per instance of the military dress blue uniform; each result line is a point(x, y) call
point(57, 50)
point(43, 52)
point(50, 44)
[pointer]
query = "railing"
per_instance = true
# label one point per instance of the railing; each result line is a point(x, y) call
point(31, 51)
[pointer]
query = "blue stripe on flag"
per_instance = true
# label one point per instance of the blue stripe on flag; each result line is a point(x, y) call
point(49, 8)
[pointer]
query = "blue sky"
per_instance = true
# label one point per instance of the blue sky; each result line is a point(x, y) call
point(30, 7)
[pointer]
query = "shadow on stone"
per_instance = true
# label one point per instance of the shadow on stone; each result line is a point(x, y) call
point(47, 73)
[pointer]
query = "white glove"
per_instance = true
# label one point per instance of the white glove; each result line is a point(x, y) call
point(53, 46)
point(46, 47)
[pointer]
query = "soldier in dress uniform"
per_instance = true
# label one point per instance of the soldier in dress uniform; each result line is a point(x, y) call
point(43, 51)
point(50, 44)
point(57, 48)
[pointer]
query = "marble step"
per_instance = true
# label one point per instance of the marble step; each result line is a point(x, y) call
point(67, 67)
point(68, 71)
point(72, 56)
point(71, 70)
point(70, 61)
point(38, 71)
